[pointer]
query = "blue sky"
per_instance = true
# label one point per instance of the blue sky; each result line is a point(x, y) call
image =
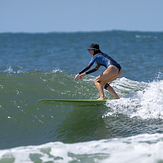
point(80, 15)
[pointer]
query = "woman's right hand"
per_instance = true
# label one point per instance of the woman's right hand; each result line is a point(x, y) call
point(76, 77)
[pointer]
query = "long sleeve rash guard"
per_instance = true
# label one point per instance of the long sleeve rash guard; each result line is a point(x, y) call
point(101, 59)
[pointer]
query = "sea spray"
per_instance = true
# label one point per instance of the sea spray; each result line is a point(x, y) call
point(145, 104)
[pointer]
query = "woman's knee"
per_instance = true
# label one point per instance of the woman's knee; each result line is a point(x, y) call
point(106, 86)
point(95, 81)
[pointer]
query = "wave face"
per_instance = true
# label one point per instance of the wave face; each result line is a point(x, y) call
point(139, 106)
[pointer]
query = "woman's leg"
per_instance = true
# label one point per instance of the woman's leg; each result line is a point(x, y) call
point(110, 74)
point(111, 90)
point(100, 89)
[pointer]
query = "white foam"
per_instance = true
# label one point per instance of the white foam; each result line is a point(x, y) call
point(56, 70)
point(146, 36)
point(9, 70)
point(140, 148)
point(146, 104)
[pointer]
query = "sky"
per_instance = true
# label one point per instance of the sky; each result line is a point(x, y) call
point(35, 16)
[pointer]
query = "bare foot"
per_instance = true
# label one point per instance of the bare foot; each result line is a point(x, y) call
point(101, 98)
point(117, 97)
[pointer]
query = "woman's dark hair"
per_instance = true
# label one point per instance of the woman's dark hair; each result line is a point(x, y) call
point(97, 51)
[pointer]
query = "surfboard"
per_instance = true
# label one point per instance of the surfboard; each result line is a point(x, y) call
point(71, 101)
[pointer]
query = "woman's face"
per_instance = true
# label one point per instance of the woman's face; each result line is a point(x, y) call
point(91, 51)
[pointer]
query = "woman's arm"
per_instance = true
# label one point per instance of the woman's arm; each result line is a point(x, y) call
point(83, 70)
point(81, 73)
point(86, 68)
point(92, 70)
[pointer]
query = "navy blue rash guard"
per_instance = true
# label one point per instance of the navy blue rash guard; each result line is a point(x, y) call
point(101, 59)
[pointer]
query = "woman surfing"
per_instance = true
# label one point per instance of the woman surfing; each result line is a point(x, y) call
point(112, 72)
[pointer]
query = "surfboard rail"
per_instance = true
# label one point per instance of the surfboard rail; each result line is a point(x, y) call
point(71, 101)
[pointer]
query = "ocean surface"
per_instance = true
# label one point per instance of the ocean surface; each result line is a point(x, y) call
point(43, 66)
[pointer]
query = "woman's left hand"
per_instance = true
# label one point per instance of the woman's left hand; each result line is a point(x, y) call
point(82, 75)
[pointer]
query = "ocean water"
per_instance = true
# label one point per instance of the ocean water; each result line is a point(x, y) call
point(43, 66)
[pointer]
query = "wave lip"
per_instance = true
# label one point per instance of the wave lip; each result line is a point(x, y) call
point(145, 104)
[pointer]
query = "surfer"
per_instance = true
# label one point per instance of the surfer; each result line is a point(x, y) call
point(112, 72)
